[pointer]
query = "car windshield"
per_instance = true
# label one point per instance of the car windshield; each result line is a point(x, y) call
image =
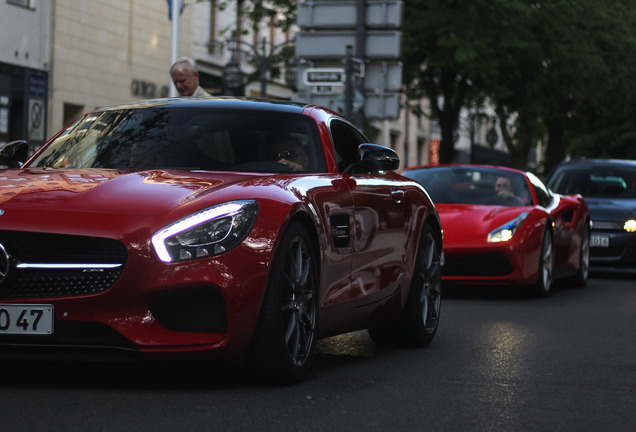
point(473, 185)
point(616, 181)
point(187, 138)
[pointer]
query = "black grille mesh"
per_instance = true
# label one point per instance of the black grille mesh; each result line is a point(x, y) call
point(44, 248)
point(191, 310)
point(477, 265)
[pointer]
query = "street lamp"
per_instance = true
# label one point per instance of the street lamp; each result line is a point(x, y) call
point(233, 76)
point(291, 74)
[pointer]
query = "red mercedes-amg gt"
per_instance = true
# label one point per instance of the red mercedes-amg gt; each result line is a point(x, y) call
point(225, 227)
point(504, 227)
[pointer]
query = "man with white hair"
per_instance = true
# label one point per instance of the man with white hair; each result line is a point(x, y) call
point(185, 76)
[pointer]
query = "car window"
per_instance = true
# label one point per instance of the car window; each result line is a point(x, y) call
point(188, 138)
point(471, 185)
point(600, 180)
point(346, 141)
point(544, 196)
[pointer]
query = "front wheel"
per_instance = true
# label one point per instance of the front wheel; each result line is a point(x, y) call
point(419, 320)
point(286, 336)
point(581, 276)
point(544, 282)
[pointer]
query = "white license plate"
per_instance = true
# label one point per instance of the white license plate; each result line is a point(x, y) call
point(26, 319)
point(599, 241)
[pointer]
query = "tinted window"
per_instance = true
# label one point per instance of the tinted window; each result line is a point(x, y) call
point(543, 194)
point(186, 138)
point(471, 185)
point(346, 141)
point(595, 181)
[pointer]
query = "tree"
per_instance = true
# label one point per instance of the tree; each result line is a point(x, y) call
point(450, 51)
point(559, 71)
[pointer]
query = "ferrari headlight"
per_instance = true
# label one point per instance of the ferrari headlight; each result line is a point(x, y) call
point(507, 230)
point(209, 232)
point(630, 226)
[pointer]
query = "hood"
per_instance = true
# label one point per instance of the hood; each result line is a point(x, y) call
point(611, 209)
point(470, 224)
point(106, 191)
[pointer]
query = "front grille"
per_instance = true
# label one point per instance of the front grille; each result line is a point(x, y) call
point(52, 251)
point(483, 265)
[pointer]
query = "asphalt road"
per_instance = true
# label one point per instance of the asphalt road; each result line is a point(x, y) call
point(500, 362)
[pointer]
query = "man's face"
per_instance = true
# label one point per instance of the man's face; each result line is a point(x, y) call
point(503, 184)
point(185, 83)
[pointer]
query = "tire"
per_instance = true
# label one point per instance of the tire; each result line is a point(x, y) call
point(285, 340)
point(546, 261)
point(419, 320)
point(582, 274)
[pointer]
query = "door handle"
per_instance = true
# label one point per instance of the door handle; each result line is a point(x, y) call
point(397, 195)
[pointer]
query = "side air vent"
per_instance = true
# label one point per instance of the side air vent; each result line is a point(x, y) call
point(340, 230)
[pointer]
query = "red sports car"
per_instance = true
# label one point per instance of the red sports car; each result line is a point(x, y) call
point(503, 226)
point(225, 227)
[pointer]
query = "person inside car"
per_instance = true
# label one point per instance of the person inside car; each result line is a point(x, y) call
point(289, 151)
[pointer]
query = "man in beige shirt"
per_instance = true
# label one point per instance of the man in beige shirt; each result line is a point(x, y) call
point(185, 76)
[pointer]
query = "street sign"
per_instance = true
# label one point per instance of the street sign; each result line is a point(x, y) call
point(382, 106)
point(343, 14)
point(385, 76)
point(380, 44)
point(376, 106)
point(324, 76)
point(330, 31)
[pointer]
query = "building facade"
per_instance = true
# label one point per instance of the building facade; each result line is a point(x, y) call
point(62, 58)
point(24, 70)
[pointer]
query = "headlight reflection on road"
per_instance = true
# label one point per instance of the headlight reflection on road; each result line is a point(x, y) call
point(509, 349)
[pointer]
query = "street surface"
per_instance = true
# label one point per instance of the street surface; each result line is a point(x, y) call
point(500, 362)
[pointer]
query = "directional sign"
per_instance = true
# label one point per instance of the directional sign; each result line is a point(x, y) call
point(385, 76)
point(380, 44)
point(343, 14)
point(376, 106)
point(324, 76)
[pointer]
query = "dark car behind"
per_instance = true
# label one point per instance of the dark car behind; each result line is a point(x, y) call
point(609, 188)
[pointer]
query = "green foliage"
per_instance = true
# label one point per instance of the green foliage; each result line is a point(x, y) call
point(561, 72)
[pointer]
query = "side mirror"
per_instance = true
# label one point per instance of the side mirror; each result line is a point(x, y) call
point(375, 157)
point(14, 153)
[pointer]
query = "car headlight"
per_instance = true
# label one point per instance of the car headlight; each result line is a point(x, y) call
point(630, 226)
point(206, 233)
point(507, 230)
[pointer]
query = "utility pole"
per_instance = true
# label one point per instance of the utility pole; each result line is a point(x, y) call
point(176, 15)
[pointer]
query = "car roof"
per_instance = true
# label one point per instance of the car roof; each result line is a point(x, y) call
point(223, 102)
point(465, 165)
point(597, 162)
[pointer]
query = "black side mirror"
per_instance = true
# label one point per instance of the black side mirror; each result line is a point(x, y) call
point(14, 153)
point(375, 157)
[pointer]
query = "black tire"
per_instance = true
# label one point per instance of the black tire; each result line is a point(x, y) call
point(580, 278)
point(419, 320)
point(285, 339)
point(546, 263)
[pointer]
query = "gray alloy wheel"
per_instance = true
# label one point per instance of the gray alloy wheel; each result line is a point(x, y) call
point(546, 261)
point(418, 322)
point(426, 291)
point(286, 337)
point(580, 278)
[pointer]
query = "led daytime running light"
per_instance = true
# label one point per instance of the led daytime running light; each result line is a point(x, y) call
point(223, 210)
